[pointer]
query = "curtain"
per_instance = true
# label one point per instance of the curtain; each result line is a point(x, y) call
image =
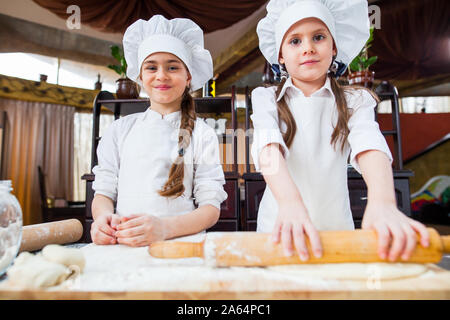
point(116, 16)
point(38, 134)
point(414, 39)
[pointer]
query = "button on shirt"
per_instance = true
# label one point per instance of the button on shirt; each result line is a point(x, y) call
point(134, 158)
point(318, 170)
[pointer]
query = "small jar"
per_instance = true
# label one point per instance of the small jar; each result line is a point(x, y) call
point(10, 226)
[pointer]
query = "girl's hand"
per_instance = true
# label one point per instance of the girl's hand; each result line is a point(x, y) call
point(103, 229)
point(292, 224)
point(394, 229)
point(141, 230)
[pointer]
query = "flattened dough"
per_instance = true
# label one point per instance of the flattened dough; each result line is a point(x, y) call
point(353, 271)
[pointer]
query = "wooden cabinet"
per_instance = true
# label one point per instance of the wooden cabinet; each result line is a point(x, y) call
point(255, 186)
point(254, 189)
point(230, 209)
point(358, 193)
point(89, 178)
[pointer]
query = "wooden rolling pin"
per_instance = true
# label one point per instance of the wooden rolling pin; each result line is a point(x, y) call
point(257, 249)
point(37, 236)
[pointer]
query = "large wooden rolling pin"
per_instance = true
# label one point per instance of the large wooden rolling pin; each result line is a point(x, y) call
point(37, 236)
point(257, 249)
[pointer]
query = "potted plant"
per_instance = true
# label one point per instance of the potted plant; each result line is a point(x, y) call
point(126, 88)
point(359, 72)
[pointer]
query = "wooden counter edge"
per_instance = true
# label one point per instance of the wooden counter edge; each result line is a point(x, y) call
point(431, 294)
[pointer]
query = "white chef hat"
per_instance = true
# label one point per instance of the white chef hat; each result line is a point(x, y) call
point(181, 37)
point(347, 21)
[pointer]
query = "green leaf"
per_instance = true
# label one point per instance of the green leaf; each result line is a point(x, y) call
point(117, 69)
point(371, 61)
point(354, 65)
point(123, 63)
point(115, 52)
point(371, 35)
point(362, 61)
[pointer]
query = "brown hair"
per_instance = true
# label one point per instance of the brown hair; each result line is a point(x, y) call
point(174, 185)
point(341, 130)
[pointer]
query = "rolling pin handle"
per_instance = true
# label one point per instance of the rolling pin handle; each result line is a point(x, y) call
point(445, 244)
point(176, 250)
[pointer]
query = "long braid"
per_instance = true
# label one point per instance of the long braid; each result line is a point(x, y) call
point(174, 186)
point(341, 131)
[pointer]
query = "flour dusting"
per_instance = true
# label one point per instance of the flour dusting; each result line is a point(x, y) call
point(122, 268)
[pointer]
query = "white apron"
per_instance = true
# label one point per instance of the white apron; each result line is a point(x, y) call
point(319, 172)
point(148, 153)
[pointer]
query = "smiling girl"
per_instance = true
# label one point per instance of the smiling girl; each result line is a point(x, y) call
point(159, 164)
point(308, 127)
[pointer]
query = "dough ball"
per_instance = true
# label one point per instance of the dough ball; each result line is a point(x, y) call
point(33, 271)
point(68, 257)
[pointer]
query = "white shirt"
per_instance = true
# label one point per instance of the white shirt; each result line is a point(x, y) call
point(134, 158)
point(318, 170)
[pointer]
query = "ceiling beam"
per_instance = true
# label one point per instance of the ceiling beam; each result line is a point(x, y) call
point(240, 69)
point(239, 49)
point(17, 35)
point(409, 88)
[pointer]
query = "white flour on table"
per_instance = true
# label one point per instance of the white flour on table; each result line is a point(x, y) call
point(124, 268)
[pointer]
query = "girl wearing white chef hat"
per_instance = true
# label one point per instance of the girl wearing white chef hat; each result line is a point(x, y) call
point(155, 164)
point(306, 129)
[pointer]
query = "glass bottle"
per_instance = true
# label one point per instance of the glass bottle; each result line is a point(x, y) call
point(10, 226)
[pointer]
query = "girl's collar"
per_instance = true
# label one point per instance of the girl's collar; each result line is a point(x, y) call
point(172, 117)
point(323, 91)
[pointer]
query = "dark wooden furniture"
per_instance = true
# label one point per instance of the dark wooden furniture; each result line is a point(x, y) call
point(230, 212)
point(254, 189)
point(89, 178)
point(255, 184)
point(230, 209)
point(358, 193)
point(386, 91)
point(73, 210)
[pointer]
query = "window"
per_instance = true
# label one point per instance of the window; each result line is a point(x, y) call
point(418, 105)
point(68, 73)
